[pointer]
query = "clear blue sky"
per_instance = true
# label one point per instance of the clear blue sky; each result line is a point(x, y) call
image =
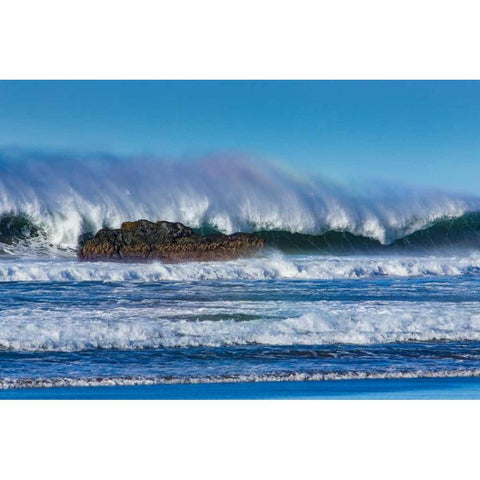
point(415, 132)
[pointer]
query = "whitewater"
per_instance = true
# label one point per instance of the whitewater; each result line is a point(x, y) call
point(356, 281)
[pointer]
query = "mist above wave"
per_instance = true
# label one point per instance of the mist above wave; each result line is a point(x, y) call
point(64, 196)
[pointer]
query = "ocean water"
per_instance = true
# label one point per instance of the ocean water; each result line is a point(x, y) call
point(378, 283)
point(276, 317)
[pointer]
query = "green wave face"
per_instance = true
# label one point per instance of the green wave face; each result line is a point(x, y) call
point(460, 232)
point(14, 228)
point(329, 242)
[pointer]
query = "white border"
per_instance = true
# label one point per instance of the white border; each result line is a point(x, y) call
point(239, 440)
point(260, 39)
point(238, 40)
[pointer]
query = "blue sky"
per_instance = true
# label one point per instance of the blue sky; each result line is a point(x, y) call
point(415, 132)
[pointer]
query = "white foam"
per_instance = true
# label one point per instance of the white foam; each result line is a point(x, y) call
point(312, 323)
point(9, 383)
point(270, 267)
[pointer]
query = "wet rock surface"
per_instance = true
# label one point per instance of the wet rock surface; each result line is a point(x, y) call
point(169, 242)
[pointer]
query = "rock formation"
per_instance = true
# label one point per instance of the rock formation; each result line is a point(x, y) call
point(169, 242)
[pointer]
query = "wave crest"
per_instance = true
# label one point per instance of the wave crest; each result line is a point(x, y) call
point(64, 196)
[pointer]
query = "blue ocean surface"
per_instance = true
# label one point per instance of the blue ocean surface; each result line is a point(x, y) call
point(275, 318)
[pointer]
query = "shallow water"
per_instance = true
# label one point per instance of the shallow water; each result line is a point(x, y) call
point(371, 389)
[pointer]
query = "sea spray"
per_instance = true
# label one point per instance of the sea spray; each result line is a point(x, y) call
point(66, 195)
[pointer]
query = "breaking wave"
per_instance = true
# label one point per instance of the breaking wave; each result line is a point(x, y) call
point(271, 267)
point(324, 323)
point(57, 200)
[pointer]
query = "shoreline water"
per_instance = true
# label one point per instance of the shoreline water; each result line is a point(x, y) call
point(370, 389)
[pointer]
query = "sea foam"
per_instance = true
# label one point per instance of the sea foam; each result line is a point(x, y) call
point(59, 382)
point(273, 266)
point(309, 323)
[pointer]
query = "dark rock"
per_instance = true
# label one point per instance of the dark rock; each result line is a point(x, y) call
point(166, 241)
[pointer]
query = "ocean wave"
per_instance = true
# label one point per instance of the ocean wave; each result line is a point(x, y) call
point(11, 383)
point(58, 198)
point(270, 267)
point(443, 234)
point(314, 323)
